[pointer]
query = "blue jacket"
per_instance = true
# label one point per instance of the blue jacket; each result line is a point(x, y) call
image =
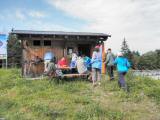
point(87, 61)
point(122, 64)
point(96, 60)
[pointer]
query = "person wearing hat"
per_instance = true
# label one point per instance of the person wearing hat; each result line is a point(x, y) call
point(96, 63)
point(123, 66)
point(110, 64)
point(48, 56)
point(51, 68)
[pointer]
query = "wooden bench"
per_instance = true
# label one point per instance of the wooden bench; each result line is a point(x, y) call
point(75, 75)
point(67, 76)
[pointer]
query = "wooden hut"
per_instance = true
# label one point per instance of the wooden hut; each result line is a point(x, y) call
point(37, 43)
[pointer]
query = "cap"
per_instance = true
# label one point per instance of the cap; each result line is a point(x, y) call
point(97, 46)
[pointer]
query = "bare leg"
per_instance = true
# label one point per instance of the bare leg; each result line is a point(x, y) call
point(99, 76)
point(93, 75)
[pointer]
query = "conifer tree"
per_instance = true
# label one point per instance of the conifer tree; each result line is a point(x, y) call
point(125, 49)
point(127, 52)
point(14, 51)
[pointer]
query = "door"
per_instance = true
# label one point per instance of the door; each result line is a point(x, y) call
point(84, 49)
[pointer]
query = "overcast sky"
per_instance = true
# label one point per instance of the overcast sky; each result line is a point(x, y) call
point(136, 20)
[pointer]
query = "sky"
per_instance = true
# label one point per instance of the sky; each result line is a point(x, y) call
point(138, 21)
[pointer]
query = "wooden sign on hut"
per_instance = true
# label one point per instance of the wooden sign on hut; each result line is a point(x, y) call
point(36, 43)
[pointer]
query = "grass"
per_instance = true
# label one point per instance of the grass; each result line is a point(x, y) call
point(22, 99)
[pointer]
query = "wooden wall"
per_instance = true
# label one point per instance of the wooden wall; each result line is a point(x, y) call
point(59, 48)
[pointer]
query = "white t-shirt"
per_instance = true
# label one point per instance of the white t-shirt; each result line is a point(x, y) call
point(81, 65)
point(74, 57)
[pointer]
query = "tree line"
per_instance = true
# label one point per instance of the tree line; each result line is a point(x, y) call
point(147, 61)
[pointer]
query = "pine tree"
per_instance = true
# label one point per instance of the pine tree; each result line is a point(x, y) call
point(125, 49)
point(127, 52)
point(14, 51)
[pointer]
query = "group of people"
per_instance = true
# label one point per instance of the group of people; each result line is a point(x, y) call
point(122, 65)
point(79, 63)
point(93, 66)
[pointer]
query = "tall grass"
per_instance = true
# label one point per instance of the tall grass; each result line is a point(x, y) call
point(22, 99)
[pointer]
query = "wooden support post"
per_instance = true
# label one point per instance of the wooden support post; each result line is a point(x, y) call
point(103, 57)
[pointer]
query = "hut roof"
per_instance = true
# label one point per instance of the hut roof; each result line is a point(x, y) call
point(31, 32)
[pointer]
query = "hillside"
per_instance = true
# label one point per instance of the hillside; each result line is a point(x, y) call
point(22, 99)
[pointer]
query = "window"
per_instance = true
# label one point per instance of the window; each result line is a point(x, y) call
point(69, 50)
point(36, 43)
point(47, 42)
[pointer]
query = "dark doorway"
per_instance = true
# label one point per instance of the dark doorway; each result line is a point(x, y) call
point(0, 63)
point(84, 49)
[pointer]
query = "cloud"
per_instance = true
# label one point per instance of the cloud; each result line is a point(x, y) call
point(28, 20)
point(37, 14)
point(20, 15)
point(42, 26)
point(23, 14)
point(136, 20)
point(1, 17)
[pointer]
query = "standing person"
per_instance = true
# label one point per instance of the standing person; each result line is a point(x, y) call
point(73, 62)
point(110, 64)
point(122, 66)
point(96, 65)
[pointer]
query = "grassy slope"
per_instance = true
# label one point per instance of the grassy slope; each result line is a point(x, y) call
point(22, 99)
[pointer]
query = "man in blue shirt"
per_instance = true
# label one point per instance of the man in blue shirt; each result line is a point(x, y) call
point(122, 66)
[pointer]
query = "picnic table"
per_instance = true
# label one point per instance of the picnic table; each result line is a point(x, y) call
point(68, 74)
point(77, 75)
point(65, 68)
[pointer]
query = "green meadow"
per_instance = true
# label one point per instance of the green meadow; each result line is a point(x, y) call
point(76, 99)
